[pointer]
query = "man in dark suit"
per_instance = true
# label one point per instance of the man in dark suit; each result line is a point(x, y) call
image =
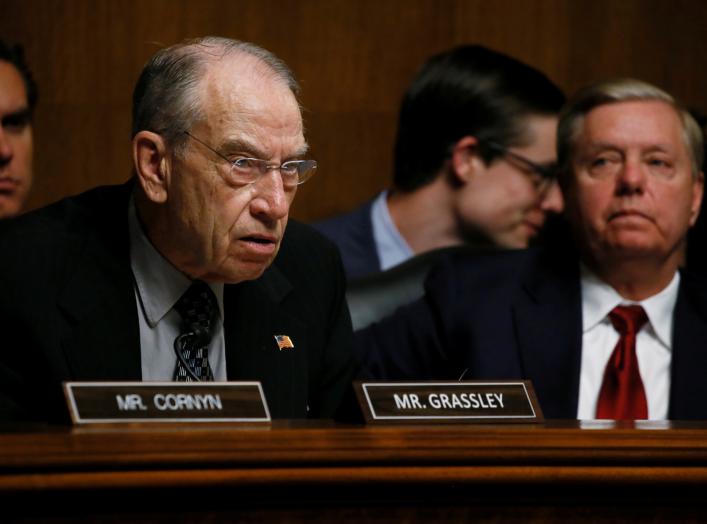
point(611, 330)
point(475, 136)
point(186, 272)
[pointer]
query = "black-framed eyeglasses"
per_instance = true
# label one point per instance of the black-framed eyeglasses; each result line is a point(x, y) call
point(246, 170)
point(542, 175)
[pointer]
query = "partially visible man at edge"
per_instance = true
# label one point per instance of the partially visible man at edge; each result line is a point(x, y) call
point(186, 272)
point(474, 153)
point(614, 330)
point(18, 97)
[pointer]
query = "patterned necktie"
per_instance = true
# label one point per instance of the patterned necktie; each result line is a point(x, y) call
point(622, 396)
point(199, 312)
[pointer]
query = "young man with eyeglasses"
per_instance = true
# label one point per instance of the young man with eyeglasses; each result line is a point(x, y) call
point(606, 325)
point(473, 164)
point(191, 270)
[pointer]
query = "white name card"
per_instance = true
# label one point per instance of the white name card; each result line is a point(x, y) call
point(174, 402)
point(448, 402)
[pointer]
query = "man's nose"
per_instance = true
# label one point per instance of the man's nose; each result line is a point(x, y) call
point(6, 149)
point(631, 178)
point(553, 201)
point(271, 200)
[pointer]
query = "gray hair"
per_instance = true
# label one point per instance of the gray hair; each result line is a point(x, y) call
point(166, 97)
point(621, 90)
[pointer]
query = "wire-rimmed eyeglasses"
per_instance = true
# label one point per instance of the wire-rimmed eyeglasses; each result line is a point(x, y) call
point(246, 170)
point(541, 175)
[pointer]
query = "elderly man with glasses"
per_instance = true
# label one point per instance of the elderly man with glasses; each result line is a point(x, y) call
point(606, 325)
point(190, 271)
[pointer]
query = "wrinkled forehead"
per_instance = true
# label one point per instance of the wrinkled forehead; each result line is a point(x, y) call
point(641, 123)
point(241, 89)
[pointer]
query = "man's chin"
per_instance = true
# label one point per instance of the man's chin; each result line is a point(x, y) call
point(240, 271)
point(518, 239)
point(9, 205)
point(635, 249)
point(630, 240)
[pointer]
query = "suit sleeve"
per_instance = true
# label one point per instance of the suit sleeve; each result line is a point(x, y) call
point(27, 388)
point(313, 266)
point(446, 334)
point(340, 367)
point(412, 342)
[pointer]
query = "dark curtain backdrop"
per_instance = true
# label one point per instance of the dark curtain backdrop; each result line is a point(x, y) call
point(353, 58)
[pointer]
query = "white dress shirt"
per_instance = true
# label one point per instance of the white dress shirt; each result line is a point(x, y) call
point(158, 287)
point(653, 343)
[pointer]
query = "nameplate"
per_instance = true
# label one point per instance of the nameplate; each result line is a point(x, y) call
point(448, 402)
point(161, 402)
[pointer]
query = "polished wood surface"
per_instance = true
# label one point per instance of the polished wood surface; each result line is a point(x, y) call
point(354, 60)
point(282, 473)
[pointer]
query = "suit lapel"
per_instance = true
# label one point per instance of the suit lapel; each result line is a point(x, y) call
point(547, 319)
point(100, 338)
point(364, 239)
point(688, 387)
point(253, 316)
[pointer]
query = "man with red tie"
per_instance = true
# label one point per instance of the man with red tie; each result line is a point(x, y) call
point(611, 330)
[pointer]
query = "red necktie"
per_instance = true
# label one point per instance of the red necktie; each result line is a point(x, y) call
point(622, 396)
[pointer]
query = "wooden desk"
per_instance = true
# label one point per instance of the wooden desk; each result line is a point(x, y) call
point(321, 472)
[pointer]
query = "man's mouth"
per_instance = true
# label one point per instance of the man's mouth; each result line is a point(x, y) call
point(8, 185)
point(534, 224)
point(628, 214)
point(257, 239)
point(264, 245)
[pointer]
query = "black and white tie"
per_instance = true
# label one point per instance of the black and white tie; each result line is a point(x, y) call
point(199, 311)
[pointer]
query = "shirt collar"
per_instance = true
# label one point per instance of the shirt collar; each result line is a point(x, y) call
point(159, 283)
point(599, 298)
point(390, 244)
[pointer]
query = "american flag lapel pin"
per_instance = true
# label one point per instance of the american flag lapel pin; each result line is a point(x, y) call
point(284, 342)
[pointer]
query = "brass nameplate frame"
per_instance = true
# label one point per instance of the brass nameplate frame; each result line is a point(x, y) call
point(162, 402)
point(471, 401)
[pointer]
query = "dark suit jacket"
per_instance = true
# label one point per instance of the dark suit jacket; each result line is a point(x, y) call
point(353, 235)
point(68, 312)
point(517, 315)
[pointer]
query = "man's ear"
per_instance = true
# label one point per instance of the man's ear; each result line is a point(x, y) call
point(697, 194)
point(152, 165)
point(465, 159)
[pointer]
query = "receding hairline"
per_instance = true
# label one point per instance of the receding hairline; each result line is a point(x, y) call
point(244, 78)
point(210, 51)
point(670, 107)
point(169, 95)
point(616, 91)
point(248, 68)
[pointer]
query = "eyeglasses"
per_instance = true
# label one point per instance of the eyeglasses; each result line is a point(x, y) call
point(542, 176)
point(246, 170)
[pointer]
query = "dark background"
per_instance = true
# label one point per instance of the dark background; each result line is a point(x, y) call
point(354, 59)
